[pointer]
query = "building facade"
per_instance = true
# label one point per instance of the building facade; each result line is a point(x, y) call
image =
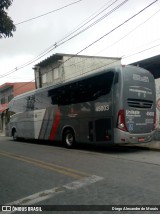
point(7, 92)
point(64, 67)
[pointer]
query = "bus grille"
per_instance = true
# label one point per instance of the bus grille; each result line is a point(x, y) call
point(136, 103)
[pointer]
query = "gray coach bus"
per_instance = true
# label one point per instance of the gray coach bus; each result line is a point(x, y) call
point(116, 105)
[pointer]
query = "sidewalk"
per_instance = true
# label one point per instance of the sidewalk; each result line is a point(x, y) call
point(2, 134)
point(154, 145)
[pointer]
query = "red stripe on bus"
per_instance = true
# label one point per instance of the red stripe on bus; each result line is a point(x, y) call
point(55, 126)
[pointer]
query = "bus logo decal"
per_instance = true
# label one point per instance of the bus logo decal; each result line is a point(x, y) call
point(130, 127)
point(55, 125)
point(151, 114)
point(101, 107)
point(132, 113)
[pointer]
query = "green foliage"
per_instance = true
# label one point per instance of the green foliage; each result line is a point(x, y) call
point(6, 23)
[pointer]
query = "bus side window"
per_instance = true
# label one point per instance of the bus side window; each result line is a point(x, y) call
point(116, 78)
point(102, 85)
point(30, 103)
point(18, 105)
point(84, 90)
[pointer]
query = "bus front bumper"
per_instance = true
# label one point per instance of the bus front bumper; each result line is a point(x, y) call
point(126, 137)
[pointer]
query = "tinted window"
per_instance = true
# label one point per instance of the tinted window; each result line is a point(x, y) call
point(18, 105)
point(84, 90)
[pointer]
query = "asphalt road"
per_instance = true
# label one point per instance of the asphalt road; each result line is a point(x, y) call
point(37, 173)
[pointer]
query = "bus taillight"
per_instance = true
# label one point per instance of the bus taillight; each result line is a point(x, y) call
point(121, 121)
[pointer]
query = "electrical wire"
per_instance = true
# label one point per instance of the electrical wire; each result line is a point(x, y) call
point(110, 31)
point(57, 45)
point(99, 38)
point(94, 23)
point(120, 25)
point(102, 66)
point(88, 20)
point(123, 57)
point(123, 37)
point(31, 19)
point(141, 51)
point(129, 32)
point(70, 78)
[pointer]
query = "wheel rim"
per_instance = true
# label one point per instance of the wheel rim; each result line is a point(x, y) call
point(69, 139)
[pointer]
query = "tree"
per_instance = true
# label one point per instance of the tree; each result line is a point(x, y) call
point(6, 23)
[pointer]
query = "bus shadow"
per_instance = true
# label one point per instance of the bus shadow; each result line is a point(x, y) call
point(96, 148)
point(110, 149)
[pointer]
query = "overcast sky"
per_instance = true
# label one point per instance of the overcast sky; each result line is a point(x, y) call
point(137, 39)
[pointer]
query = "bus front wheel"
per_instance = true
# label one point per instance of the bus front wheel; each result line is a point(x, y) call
point(69, 138)
point(15, 135)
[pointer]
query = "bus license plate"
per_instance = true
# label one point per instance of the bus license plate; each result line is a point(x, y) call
point(141, 139)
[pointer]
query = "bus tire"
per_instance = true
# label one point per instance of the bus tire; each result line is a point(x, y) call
point(14, 135)
point(69, 138)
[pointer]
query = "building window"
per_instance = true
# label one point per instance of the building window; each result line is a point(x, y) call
point(44, 78)
point(3, 100)
point(10, 97)
point(49, 77)
point(56, 73)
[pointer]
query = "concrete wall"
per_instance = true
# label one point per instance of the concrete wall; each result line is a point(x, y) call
point(157, 135)
point(71, 68)
point(81, 66)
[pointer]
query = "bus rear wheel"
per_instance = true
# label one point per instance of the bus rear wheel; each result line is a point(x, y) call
point(69, 138)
